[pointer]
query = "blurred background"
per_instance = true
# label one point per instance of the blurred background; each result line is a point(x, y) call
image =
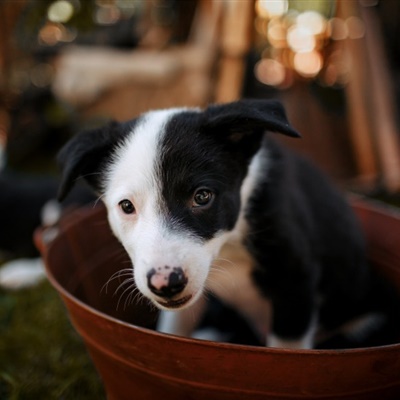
point(66, 65)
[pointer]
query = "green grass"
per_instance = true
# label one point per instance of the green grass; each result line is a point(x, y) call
point(41, 356)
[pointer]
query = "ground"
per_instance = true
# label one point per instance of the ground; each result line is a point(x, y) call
point(41, 356)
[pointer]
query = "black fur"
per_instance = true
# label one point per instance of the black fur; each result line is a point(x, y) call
point(86, 154)
point(180, 177)
point(308, 249)
point(307, 244)
point(213, 150)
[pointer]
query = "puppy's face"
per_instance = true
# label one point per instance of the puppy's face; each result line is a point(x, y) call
point(171, 196)
point(171, 181)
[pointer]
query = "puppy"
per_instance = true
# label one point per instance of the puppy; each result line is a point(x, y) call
point(206, 200)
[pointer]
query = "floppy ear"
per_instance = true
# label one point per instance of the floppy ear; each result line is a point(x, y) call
point(245, 121)
point(85, 155)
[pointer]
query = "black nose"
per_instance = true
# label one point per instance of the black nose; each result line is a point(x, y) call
point(166, 281)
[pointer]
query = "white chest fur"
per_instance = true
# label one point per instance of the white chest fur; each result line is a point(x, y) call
point(230, 276)
point(230, 280)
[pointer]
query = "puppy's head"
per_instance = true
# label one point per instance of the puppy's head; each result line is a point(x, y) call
point(171, 181)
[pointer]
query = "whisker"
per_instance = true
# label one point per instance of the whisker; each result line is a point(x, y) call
point(218, 286)
point(153, 308)
point(206, 294)
point(133, 293)
point(138, 298)
point(117, 275)
point(98, 200)
point(225, 274)
point(121, 272)
point(225, 260)
point(217, 269)
point(215, 275)
point(130, 287)
point(124, 283)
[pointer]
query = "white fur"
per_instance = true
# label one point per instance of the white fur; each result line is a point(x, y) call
point(145, 234)
point(306, 342)
point(230, 279)
point(150, 244)
point(360, 328)
point(181, 322)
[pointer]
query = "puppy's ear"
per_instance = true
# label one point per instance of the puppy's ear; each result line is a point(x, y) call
point(85, 155)
point(236, 121)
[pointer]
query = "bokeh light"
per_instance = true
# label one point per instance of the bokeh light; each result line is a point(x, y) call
point(338, 29)
point(60, 11)
point(355, 27)
point(276, 34)
point(107, 14)
point(272, 8)
point(270, 72)
point(308, 64)
point(301, 40)
point(313, 21)
point(51, 34)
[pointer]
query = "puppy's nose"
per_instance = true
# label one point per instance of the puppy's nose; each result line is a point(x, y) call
point(166, 281)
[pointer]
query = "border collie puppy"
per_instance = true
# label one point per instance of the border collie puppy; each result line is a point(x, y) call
point(205, 200)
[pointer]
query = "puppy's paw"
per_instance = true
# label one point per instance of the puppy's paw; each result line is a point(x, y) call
point(304, 343)
point(211, 334)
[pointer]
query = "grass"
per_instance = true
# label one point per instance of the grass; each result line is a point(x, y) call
point(41, 356)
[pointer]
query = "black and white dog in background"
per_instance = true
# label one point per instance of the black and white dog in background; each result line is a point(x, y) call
point(28, 201)
point(205, 200)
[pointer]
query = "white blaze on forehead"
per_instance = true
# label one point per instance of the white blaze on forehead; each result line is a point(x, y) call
point(133, 174)
point(133, 171)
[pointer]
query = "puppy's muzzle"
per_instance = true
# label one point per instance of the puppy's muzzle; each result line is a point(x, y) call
point(166, 282)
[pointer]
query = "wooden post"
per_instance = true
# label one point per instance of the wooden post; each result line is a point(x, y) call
point(236, 40)
point(370, 102)
point(359, 101)
point(383, 113)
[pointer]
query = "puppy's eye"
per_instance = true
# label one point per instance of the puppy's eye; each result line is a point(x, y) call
point(126, 206)
point(202, 198)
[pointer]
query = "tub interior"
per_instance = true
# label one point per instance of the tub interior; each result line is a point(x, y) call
point(87, 262)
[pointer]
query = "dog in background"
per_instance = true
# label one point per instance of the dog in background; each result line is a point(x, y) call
point(39, 125)
point(27, 202)
point(206, 200)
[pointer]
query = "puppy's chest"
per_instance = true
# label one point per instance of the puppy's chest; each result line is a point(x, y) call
point(231, 281)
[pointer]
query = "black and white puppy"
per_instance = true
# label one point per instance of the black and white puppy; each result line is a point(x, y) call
point(205, 200)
